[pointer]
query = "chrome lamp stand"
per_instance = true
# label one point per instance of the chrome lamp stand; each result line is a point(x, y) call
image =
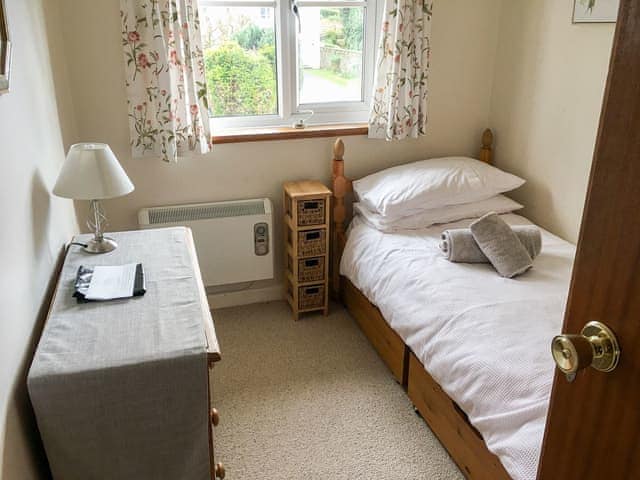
point(99, 243)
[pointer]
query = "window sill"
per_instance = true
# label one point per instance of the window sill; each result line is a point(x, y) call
point(287, 133)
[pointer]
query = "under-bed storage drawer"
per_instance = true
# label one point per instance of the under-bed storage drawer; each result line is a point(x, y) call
point(384, 339)
point(450, 424)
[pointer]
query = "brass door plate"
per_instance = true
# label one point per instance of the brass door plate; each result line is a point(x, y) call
point(606, 349)
point(596, 346)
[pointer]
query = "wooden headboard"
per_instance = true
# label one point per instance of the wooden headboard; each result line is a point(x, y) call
point(342, 187)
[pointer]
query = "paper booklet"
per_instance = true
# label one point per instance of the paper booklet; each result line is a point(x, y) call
point(101, 283)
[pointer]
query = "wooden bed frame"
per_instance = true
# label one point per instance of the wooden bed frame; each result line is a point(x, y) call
point(445, 418)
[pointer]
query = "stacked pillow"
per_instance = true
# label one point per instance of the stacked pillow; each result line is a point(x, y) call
point(428, 192)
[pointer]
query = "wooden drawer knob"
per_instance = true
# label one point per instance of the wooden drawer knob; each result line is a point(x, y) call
point(220, 471)
point(215, 417)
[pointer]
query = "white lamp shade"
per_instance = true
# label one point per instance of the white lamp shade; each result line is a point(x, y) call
point(92, 172)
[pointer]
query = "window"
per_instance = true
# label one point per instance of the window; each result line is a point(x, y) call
point(274, 62)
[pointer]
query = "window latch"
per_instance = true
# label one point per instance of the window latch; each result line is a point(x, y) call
point(296, 12)
point(302, 123)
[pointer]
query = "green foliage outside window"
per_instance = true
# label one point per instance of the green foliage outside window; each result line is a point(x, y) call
point(352, 27)
point(253, 37)
point(241, 81)
point(332, 38)
point(344, 27)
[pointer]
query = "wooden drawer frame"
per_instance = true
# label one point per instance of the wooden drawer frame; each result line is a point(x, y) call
point(451, 426)
point(387, 343)
point(216, 469)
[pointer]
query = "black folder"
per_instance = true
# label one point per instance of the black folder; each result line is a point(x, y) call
point(83, 280)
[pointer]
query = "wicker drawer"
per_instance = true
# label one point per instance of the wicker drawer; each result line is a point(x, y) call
point(312, 242)
point(311, 297)
point(311, 270)
point(311, 212)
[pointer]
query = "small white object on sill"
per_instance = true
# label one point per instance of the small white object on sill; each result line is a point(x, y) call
point(302, 123)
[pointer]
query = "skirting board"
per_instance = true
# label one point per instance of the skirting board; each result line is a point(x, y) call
point(246, 297)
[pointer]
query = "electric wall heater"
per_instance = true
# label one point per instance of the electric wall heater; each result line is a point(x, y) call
point(234, 240)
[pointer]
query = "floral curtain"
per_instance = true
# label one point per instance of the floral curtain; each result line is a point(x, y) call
point(165, 78)
point(399, 103)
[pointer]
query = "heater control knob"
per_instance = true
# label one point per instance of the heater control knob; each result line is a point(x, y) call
point(261, 239)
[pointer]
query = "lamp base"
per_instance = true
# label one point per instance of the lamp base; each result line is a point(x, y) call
point(103, 245)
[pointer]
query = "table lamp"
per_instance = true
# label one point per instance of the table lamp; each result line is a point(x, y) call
point(92, 172)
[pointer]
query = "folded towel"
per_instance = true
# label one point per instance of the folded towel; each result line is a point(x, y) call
point(458, 244)
point(530, 237)
point(501, 245)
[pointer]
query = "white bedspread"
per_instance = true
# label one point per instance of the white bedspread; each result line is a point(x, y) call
point(485, 339)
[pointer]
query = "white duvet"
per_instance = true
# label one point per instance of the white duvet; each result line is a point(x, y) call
point(485, 339)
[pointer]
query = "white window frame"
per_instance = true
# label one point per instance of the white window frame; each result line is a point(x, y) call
point(289, 108)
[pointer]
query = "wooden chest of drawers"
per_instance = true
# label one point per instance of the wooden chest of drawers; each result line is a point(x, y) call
point(116, 385)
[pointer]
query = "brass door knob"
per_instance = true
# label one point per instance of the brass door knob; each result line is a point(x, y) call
point(220, 471)
point(215, 417)
point(596, 346)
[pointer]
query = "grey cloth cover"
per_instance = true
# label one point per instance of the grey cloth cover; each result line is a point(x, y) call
point(119, 388)
point(501, 245)
point(458, 244)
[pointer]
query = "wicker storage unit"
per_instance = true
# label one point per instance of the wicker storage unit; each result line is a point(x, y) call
point(306, 221)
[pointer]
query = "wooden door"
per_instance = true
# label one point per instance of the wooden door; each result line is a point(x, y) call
point(593, 428)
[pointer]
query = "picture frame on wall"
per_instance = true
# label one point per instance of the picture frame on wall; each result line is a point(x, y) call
point(595, 11)
point(5, 50)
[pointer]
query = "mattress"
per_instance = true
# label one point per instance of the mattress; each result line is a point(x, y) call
point(485, 339)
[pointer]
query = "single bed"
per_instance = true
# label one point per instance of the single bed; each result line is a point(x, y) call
point(470, 346)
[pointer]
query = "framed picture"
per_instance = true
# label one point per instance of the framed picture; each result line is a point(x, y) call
point(5, 50)
point(595, 11)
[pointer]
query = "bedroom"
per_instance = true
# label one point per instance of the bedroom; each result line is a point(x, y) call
point(526, 70)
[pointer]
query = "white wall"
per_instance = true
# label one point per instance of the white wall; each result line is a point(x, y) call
point(35, 227)
point(464, 44)
point(547, 94)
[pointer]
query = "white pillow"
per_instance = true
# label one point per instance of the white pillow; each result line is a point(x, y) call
point(426, 218)
point(407, 189)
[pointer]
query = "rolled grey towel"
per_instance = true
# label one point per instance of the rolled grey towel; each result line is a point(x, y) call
point(458, 244)
point(501, 245)
point(530, 237)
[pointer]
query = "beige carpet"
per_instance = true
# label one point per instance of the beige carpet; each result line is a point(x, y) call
point(312, 400)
